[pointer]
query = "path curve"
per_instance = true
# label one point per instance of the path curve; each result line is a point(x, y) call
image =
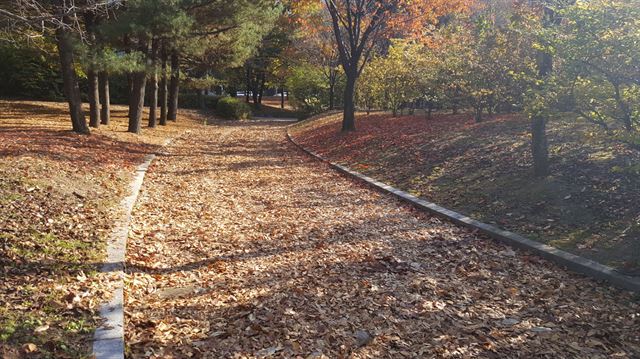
point(243, 246)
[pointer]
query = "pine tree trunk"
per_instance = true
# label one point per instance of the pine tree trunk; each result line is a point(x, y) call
point(174, 86)
point(248, 84)
point(105, 116)
point(163, 93)
point(153, 82)
point(263, 80)
point(254, 92)
point(153, 100)
point(94, 99)
point(92, 75)
point(71, 88)
point(136, 106)
point(349, 113)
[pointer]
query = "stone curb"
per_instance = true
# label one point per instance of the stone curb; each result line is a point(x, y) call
point(571, 261)
point(108, 340)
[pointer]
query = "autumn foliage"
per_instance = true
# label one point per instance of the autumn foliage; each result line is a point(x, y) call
point(360, 27)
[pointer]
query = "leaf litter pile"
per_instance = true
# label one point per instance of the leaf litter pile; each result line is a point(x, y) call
point(244, 247)
point(59, 193)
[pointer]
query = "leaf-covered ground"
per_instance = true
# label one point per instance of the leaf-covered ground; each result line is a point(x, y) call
point(58, 197)
point(589, 204)
point(244, 247)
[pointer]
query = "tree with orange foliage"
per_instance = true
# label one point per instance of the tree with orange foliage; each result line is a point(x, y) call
point(360, 25)
point(316, 44)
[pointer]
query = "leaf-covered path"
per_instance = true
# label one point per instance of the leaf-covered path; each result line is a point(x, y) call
point(242, 246)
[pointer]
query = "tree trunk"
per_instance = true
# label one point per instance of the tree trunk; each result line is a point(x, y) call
point(331, 96)
point(174, 87)
point(92, 75)
point(333, 78)
point(263, 80)
point(349, 113)
point(539, 145)
point(254, 93)
point(624, 108)
point(105, 100)
point(153, 101)
point(94, 99)
point(71, 88)
point(478, 114)
point(137, 101)
point(163, 89)
point(248, 85)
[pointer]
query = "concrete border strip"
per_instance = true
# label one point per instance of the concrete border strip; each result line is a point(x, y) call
point(108, 339)
point(571, 261)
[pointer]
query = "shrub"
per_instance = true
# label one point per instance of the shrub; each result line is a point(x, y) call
point(28, 72)
point(233, 109)
point(192, 101)
point(308, 92)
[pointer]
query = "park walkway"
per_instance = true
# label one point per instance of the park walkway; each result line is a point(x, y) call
point(242, 246)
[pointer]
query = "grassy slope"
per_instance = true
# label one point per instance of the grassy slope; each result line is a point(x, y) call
point(589, 205)
point(58, 197)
